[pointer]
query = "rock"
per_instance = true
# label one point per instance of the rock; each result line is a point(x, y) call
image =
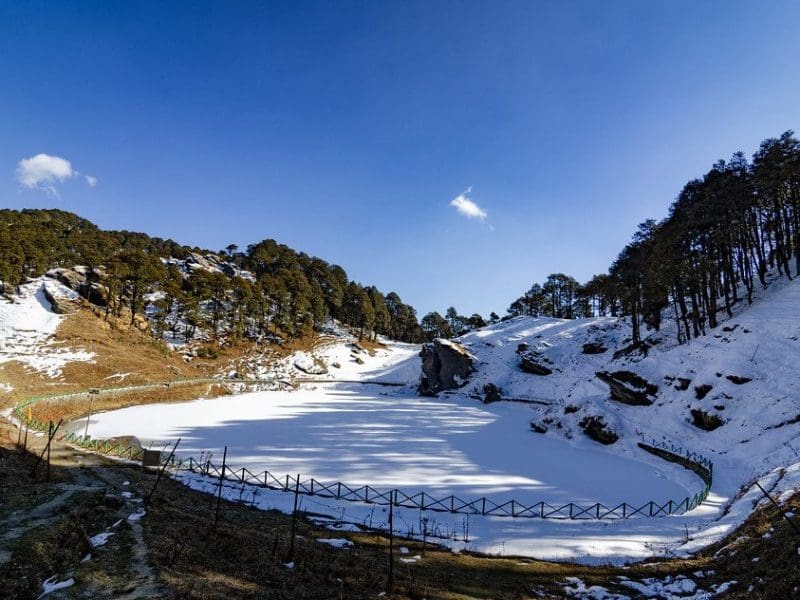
point(359, 360)
point(683, 384)
point(357, 348)
point(538, 427)
point(535, 363)
point(597, 429)
point(491, 393)
point(446, 365)
point(594, 348)
point(570, 408)
point(738, 380)
point(337, 365)
point(310, 365)
point(701, 391)
point(60, 304)
point(629, 388)
point(522, 347)
point(97, 294)
point(69, 277)
point(140, 322)
point(706, 421)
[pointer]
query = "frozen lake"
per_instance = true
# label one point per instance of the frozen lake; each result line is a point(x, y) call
point(440, 446)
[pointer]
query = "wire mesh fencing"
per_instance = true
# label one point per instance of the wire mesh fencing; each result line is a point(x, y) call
point(422, 501)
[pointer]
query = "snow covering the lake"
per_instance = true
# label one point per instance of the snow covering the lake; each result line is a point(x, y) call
point(27, 326)
point(443, 446)
point(389, 437)
point(440, 446)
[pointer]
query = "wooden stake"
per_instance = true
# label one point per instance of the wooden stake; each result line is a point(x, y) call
point(161, 471)
point(219, 492)
point(780, 510)
point(390, 579)
point(294, 518)
point(49, 437)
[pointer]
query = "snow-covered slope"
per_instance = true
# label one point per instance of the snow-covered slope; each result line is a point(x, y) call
point(338, 356)
point(749, 369)
point(27, 325)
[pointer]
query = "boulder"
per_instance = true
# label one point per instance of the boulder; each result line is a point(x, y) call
point(538, 427)
point(535, 363)
point(594, 348)
point(60, 304)
point(491, 393)
point(706, 421)
point(738, 380)
point(682, 384)
point(629, 388)
point(140, 322)
point(69, 277)
point(310, 365)
point(446, 365)
point(597, 429)
point(701, 391)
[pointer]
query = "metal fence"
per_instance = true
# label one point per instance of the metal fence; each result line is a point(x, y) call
point(420, 501)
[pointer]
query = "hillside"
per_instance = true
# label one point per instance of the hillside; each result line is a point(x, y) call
point(730, 396)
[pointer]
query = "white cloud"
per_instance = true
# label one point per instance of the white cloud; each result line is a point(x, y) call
point(466, 207)
point(43, 172)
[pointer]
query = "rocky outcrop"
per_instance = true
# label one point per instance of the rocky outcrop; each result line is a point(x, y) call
point(535, 363)
point(629, 388)
point(738, 380)
point(69, 277)
point(85, 281)
point(538, 427)
point(597, 429)
point(446, 365)
point(491, 393)
point(310, 365)
point(60, 304)
point(701, 391)
point(706, 421)
point(594, 348)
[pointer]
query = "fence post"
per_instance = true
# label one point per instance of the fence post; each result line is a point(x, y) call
point(219, 492)
point(483, 506)
point(161, 471)
point(390, 580)
point(49, 437)
point(338, 490)
point(294, 518)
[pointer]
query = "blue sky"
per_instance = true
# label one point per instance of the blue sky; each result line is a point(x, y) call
point(346, 129)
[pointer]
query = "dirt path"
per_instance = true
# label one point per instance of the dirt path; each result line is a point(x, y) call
point(111, 558)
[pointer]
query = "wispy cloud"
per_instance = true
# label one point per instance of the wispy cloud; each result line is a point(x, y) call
point(467, 207)
point(43, 172)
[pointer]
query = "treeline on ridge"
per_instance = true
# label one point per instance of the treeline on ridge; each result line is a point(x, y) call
point(723, 234)
point(269, 288)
